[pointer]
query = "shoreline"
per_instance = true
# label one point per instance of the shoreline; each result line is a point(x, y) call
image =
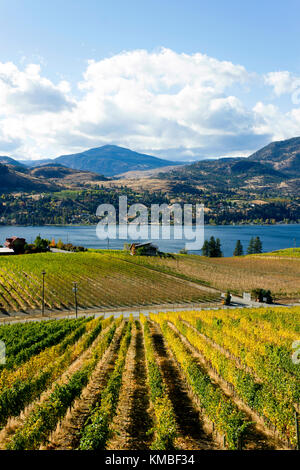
point(206, 225)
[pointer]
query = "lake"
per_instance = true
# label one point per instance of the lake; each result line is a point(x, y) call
point(273, 237)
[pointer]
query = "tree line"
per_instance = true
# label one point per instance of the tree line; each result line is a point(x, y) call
point(212, 248)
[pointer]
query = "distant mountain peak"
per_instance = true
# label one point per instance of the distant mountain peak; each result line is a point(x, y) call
point(112, 160)
point(112, 146)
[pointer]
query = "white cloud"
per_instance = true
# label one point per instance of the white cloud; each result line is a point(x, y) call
point(165, 103)
point(282, 82)
point(280, 125)
point(27, 92)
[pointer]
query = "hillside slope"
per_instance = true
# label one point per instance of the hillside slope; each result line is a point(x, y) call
point(283, 156)
point(12, 180)
point(52, 177)
point(4, 160)
point(61, 175)
point(273, 169)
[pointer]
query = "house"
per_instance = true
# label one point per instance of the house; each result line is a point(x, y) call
point(146, 249)
point(16, 244)
point(6, 251)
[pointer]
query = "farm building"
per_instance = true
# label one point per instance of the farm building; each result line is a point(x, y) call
point(146, 249)
point(10, 242)
point(16, 244)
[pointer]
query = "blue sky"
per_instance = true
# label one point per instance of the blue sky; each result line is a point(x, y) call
point(179, 79)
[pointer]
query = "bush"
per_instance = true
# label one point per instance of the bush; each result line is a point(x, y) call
point(40, 245)
point(70, 247)
point(261, 294)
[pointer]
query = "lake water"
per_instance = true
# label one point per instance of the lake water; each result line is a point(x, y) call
point(273, 237)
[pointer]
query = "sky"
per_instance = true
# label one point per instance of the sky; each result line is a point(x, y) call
point(183, 80)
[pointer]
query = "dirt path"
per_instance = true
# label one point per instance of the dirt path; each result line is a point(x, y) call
point(258, 436)
point(191, 433)
point(132, 420)
point(67, 434)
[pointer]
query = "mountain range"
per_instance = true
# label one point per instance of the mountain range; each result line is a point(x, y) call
point(274, 168)
point(277, 160)
point(262, 188)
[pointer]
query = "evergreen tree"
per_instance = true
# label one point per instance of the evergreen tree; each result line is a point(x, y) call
point(250, 249)
point(205, 248)
point(257, 245)
point(218, 251)
point(238, 251)
point(212, 248)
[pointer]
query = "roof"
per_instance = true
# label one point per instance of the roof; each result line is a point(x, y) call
point(6, 250)
point(9, 239)
point(139, 245)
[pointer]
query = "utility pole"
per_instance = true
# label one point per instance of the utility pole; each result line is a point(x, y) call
point(75, 289)
point(297, 430)
point(43, 294)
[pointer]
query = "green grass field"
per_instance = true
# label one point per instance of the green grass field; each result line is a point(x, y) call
point(290, 252)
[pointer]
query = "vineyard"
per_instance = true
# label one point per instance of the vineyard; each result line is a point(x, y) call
point(103, 281)
point(192, 380)
point(113, 279)
point(278, 272)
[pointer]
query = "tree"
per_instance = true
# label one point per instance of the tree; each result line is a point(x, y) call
point(218, 251)
point(41, 244)
point(18, 246)
point(60, 244)
point(215, 248)
point(205, 248)
point(262, 295)
point(250, 249)
point(212, 248)
point(257, 245)
point(238, 251)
